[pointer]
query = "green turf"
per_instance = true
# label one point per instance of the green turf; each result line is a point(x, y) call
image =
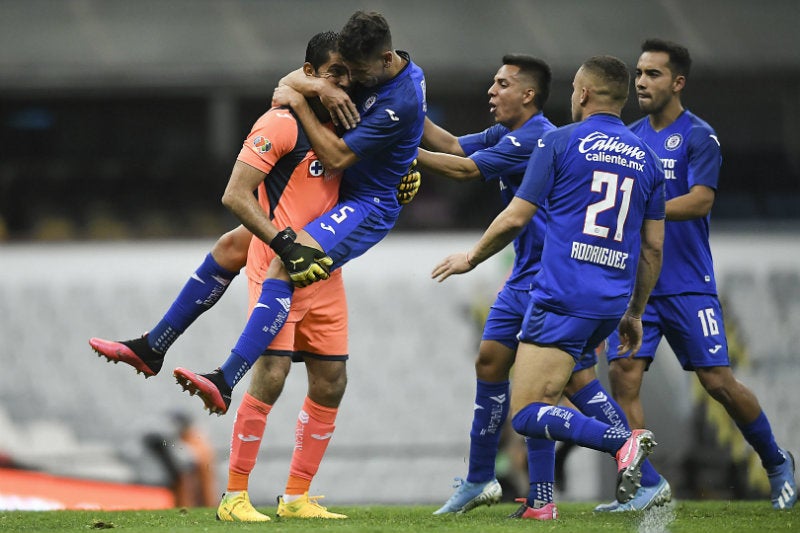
point(683, 517)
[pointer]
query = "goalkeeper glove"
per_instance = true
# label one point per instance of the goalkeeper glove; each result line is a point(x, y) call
point(409, 184)
point(304, 263)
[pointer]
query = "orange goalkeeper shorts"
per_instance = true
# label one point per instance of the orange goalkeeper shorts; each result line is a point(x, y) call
point(317, 322)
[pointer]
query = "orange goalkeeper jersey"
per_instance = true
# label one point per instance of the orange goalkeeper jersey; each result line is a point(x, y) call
point(296, 189)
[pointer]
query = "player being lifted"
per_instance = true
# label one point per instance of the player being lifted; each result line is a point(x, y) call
point(390, 97)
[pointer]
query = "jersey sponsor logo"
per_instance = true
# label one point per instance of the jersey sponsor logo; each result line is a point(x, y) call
point(669, 168)
point(262, 145)
point(392, 115)
point(316, 169)
point(369, 102)
point(540, 143)
point(513, 140)
point(673, 141)
point(327, 227)
point(602, 142)
point(715, 349)
point(600, 147)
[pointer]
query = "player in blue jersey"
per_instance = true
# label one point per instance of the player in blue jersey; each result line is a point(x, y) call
point(375, 155)
point(684, 306)
point(501, 152)
point(602, 190)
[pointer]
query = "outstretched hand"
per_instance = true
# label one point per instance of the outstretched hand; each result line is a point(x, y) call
point(452, 264)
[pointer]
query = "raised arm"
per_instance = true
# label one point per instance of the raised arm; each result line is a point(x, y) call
point(331, 150)
point(341, 108)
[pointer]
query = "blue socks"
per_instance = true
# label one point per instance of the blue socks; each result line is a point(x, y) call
point(541, 471)
point(201, 292)
point(593, 400)
point(268, 317)
point(541, 420)
point(491, 411)
point(759, 434)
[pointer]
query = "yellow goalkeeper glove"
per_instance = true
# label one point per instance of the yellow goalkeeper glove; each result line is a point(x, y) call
point(304, 263)
point(409, 184)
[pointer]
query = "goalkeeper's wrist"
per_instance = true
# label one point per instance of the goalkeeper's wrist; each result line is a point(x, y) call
point(283, 241)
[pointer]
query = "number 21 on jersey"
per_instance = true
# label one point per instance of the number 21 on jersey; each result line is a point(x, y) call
point(610, 182)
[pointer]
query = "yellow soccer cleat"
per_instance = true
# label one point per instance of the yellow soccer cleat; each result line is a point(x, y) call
point(236, 507)
point(305, 507)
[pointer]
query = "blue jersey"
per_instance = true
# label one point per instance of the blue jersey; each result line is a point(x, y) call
point(503, 155)
point(386, 139)
point(690, 153)
point(599, 182)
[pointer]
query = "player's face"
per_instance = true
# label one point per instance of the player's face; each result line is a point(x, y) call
point(654, 82)
point(506, 96)
point(334, 71)
point(368, 73)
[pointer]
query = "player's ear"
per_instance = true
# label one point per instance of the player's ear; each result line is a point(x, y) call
point(308, 69)
point(387, 56)
point(678, 83)
point(530, 94)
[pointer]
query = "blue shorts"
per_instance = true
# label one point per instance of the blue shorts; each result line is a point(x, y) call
point(350, 229)
point(505, 316)
point(576, 336)
point(505, 319)
point(692, 325)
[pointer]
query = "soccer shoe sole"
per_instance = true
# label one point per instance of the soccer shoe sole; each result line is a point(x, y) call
point(196, 384)
point(116, 352)
point(629, 479)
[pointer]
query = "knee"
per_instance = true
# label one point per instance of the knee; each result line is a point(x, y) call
point(718, 384)
point(493, 365)
point(230, 250)
point(328, 391)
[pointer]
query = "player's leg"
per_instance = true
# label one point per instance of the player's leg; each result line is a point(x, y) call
point(266, 385)
point(743, 407)
point(696, 333)
point(269, 315)
point(542, 371)
point(202, 290)
point(492, 366)
point(590, 397)
point(321, 340)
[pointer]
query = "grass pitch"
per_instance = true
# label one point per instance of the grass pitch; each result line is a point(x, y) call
point(681, 517)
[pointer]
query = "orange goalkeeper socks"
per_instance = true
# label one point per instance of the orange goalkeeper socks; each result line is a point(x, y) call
point(248, 429)
point(313, 432)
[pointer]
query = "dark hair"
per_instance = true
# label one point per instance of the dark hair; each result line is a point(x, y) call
point(364, 36)
point(613, 72)
point(538, 70)
point(320, 47)
point(680, 62)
